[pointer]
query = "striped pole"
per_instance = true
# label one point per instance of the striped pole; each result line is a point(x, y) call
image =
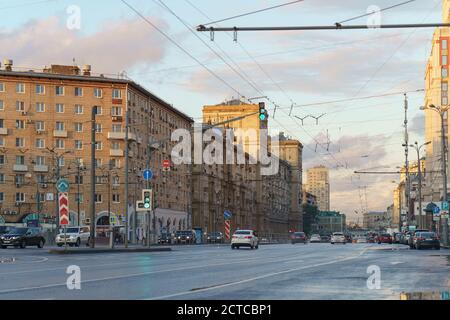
point(227, 229)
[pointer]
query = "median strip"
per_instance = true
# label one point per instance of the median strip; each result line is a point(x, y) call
point(108, 250)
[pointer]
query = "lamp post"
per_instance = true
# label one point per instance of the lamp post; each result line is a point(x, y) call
point(419, 172)
point(442, 112)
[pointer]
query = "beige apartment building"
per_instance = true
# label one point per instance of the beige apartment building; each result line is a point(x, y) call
point(318, 184)
point(45, 133)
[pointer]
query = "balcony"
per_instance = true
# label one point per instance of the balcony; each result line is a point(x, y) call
point(116, 153)
point(20, 168)
point(121, 136)
point(60, 133)
point(3, 131)
point(40, 168)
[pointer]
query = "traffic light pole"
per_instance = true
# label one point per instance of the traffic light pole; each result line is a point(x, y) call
point(92, 204)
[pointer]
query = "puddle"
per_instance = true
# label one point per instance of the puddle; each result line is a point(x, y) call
point(434, 295)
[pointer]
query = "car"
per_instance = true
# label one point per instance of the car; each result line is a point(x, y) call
point(22, 237)
point(4, 229)
point(245, 238)
point(396, 237)
point(215, 237)
point(406, 237)
point(384, 238)
point(349, 238)
point(412, 234)
point(361, 239)
point(370, 239)
point(426, 239)
point(73, 236)
point(299, 237)
point(325, 239)
point(338, 237)
point(165, 238)
point(185, 236)
point(315, 238)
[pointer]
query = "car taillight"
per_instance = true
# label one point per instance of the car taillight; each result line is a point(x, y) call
point(421, 238)
point(248, 237)
point(235, 237)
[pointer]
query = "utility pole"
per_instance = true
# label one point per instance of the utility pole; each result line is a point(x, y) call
point(78, 192)
point(406, 145)
point(126, 176)
point(444, 222)
point(93, 164)
point(422, 223)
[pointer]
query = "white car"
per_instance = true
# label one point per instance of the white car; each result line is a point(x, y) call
point(338, 237)
point(361, 240)
point(315, 238)
point(73, 236)
point(244, 238)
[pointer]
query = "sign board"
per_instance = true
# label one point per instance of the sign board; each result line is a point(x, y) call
point(436, 211)
point(166, 163)
point(49, 197)
point(436, 218)
point(2, 221)
point(113, 220)
point(63, 209)
point(444, 216)
point(148, 174)
point(227, 215)
point(445, 206)
point(62, 185)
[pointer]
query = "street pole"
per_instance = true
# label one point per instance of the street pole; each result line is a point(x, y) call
point(78, 193)
point(58, 173)
point(419, 171)
point(111, 234)
point(406, 145)
point(444, 222)
point(92, 213)
point(126, 176)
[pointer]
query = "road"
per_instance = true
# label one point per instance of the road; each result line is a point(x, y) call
point(285, 271)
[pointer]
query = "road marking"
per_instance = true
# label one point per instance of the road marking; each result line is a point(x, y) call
point(397, 262)
point(257, 278)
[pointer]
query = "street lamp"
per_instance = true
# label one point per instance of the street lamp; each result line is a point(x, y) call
point(419, 172)
point(442, 111)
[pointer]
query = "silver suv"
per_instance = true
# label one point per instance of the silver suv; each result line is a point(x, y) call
point(73, 236)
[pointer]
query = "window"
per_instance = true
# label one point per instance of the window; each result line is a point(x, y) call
point(20, 197)
point(98, 93)
point(98, 110)
point(444, 45)
point(20, 160)
point(2, 105)
point(2, 142)
point(59, 90)
point(19, 179)
point(98, 163)
point(40, 126)
point(61, 162)
point(117, 128)
point(59, 126)
point(40, 161)
point(2, 123)
point(98, 128)
point(59, 108)
point(79, 197)
point(115, 163)
point(40, 107)
point(117, 94)
point(98, 198)
point(115, 145)
point(78, 144)
point(40, 89)
point(444, 60)
point(2, 87)
point(59, 144)
point(116, 198)
point(41, 197)
point(40, 143)
point(444, 101)
point(98, 145)
point(116, 111)
point(78, 127)
point(116, 181)
point(20, 88)
point(444, 86)
point(2, 178)
point(78, 92)
point(20, 124)
point(20, 142)
point(2, 159)
point(20, 106)
point(78, 109)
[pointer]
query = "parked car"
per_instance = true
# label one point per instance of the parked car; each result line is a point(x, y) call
point(22, 237)
point(384, 238)
point(315, 238)
point(412, 234)
point(396, 238)
point(348, 237)
point(406, 237)
point(338, 237)
point(215, 237)
point(4, 229)
point(361, 239)
point(165, 238)
point(325, 239)
point(73, 236)
point(185, 236)
point(245, 238)
point(299, 237)
point(426, 239)
point(370, 239)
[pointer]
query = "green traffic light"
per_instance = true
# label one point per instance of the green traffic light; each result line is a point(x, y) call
point(262, 117)
point(146, 205)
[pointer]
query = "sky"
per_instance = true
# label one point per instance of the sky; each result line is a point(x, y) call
point(310, 69)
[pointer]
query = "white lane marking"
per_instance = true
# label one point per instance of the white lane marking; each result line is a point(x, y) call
point(397, 262)
point(268, 275)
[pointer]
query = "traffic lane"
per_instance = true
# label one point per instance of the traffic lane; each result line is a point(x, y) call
point(345, 280)
point(143, 280)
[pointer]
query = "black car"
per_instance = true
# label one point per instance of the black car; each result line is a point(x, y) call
point(165, 238)
point(426, 240)
point(413, 234)
point(299, 237)
point(214, 237)
point(4, 229)
point(184, 236)
point(22, 237)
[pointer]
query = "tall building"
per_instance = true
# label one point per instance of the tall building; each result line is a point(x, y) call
point(318, 184)
point(45, 133)
point(331, 221)
point(436, 93)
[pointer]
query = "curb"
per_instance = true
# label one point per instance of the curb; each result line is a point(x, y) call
point(93, 251)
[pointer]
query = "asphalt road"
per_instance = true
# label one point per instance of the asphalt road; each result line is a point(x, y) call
point(312, 271)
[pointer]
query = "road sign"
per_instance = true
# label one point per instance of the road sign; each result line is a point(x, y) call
point(227, 229)
point(445, 206)
point(112, 220)
point(148, 174)
point(444, 216)
point(62, 185)
point(63, 209)
point(166, 163)
point(227, 215)
point(436, 211)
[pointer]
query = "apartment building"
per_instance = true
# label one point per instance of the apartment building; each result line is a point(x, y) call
point(318, 184)
point(45, 133)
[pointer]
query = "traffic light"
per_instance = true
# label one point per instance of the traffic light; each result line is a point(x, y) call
point(263, 112)
point(147, 198)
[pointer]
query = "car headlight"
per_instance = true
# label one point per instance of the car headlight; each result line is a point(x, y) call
point(187, 237)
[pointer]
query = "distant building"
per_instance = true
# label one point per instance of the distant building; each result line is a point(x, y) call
point(331, 221)
point(318, 184)
point(375, 220)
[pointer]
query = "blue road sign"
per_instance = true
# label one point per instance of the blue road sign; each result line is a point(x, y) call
point(62, 185)
point(227, 215)
point(148, 174)
point(436, 210)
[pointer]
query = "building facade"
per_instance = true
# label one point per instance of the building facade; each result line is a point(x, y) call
point(331, 221)
point(318, 184)
point(45, 134)
point(373, 220)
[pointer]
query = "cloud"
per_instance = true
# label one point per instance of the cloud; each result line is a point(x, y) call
point(116, 47)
